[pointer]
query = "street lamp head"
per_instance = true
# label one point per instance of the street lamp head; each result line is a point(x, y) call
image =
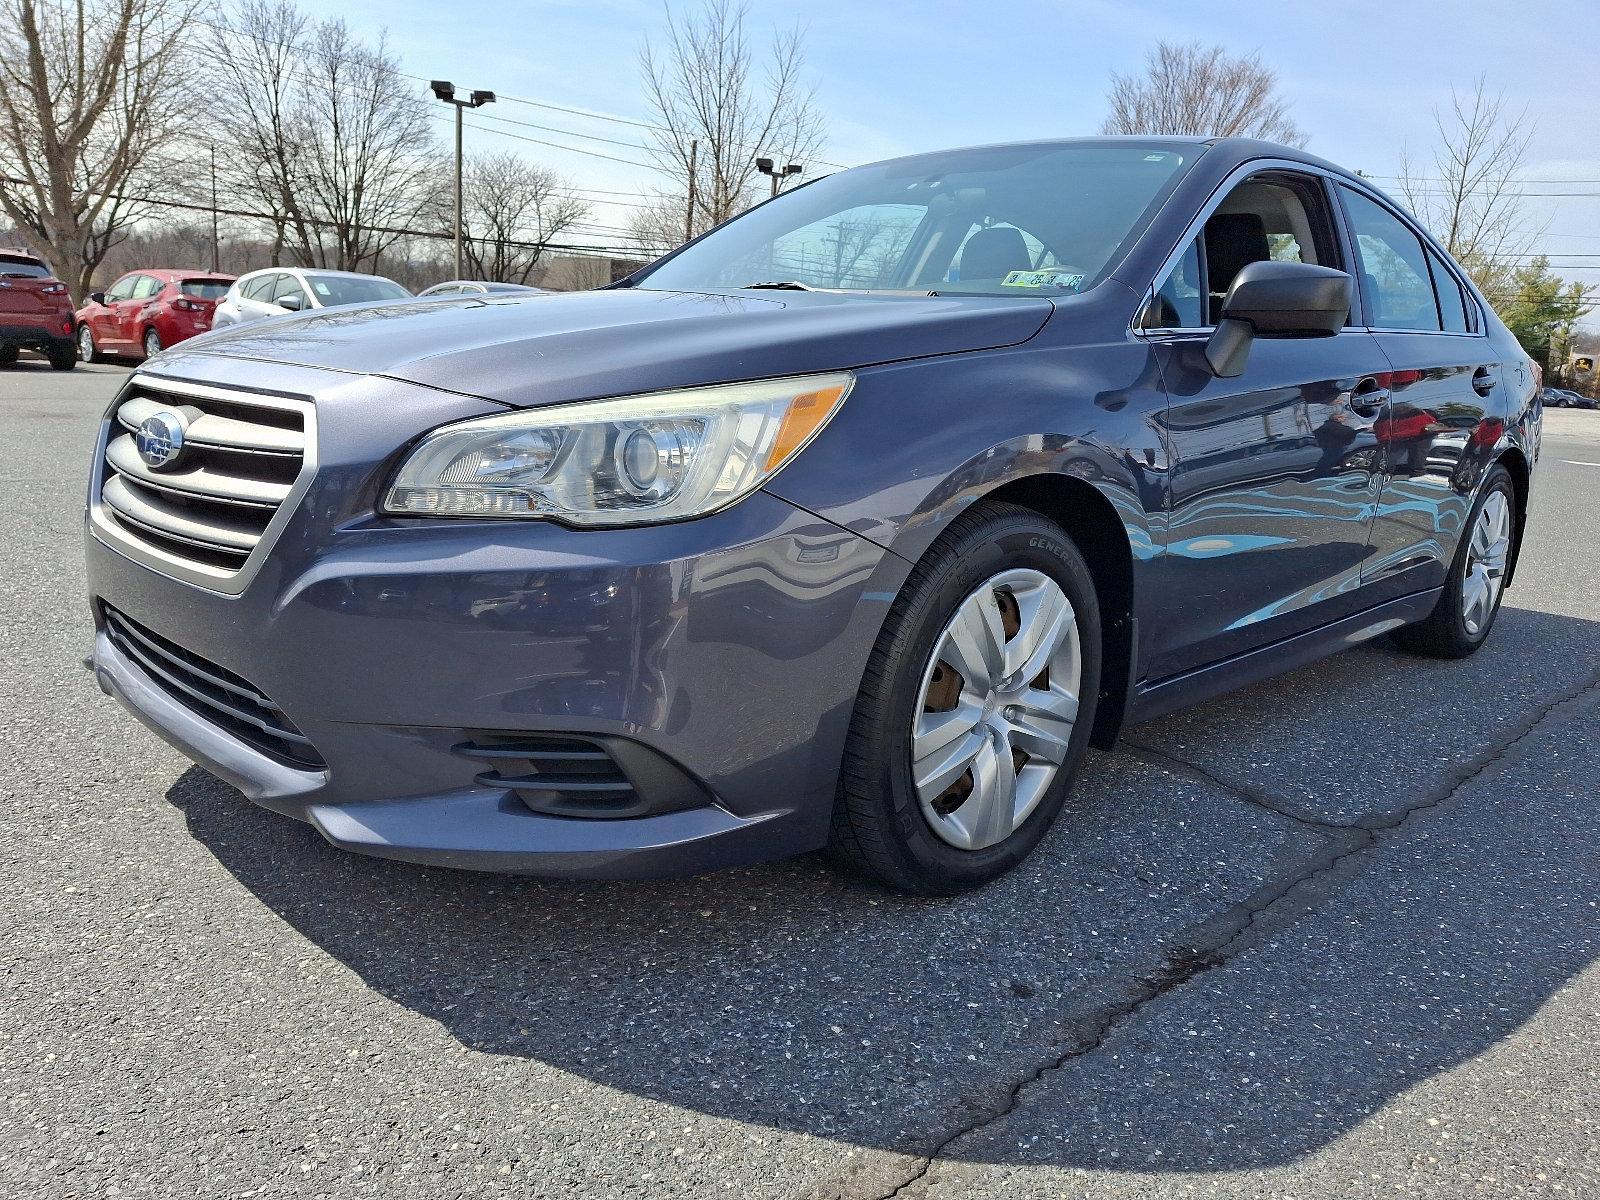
point(764, 165)
point(479, 99)
point(443, 89)
point(793, 169)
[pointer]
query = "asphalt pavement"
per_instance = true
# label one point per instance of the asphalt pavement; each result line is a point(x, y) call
point(1334, 935)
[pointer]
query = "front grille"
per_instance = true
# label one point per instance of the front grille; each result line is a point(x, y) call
point(242, 455)
point(582, 776)
point(213, 692)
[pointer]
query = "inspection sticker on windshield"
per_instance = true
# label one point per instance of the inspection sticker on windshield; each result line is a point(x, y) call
point(1050, 277)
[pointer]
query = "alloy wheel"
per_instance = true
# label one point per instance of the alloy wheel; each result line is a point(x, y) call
point(85, 344)
point(996, 710)
point(1486, 563)
point(152, 343)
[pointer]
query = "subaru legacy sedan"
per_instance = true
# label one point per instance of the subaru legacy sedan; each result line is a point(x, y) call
point(854, 523)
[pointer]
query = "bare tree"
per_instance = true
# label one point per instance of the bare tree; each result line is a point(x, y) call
point(658, 225)
point(91, 94)
point(1201, 91)
point(715, 111)
point(328, 134)
point(513, 208)
point(1473, 201)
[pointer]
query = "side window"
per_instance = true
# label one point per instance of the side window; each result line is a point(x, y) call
point(1179, 302)
point(122, 288)
point(1452, 304)
point(145, 287)
point(1394, 270)
point(1276, 216)
point(260, 288)
point(289, 287)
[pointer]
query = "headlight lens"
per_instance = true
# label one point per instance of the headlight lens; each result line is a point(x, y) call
point(638, 459)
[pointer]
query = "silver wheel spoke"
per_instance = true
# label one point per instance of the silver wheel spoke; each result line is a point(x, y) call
point(936, 730)
point(974, 644)
point(1042, 724)
point(1047, 621)
point(990, 811)
point(934, 774)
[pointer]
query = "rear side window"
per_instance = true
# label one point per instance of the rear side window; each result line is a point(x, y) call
point(261, 288)
point(1452, 303)
point(1394, 270)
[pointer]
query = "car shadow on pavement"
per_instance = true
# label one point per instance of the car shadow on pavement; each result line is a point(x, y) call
point(790, 997)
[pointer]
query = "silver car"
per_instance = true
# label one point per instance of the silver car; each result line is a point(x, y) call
point(278, 290)
point(480, 287)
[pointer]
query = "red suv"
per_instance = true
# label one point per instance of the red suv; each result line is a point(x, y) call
point(35, 311)
point(146, 311)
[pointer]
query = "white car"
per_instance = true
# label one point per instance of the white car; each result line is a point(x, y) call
point(278, 290)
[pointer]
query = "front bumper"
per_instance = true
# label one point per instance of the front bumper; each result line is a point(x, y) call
point(731, 646)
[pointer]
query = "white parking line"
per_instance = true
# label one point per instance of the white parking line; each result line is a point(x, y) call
point(1572, 462)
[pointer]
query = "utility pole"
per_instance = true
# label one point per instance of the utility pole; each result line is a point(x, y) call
point(444, 90)
point(216, 248)
point(769, 169)
point(694, 166)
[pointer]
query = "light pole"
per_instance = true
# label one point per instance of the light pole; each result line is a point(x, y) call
point(767, 167)
point(446, 91)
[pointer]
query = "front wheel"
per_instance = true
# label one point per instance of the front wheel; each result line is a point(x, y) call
point(87, 351)
point(1461, 620)
point(976, 708)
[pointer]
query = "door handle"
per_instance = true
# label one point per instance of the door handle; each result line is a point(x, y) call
point(1368, 398)
point(1483, 381)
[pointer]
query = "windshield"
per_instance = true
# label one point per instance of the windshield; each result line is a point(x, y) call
point(205, 289)
point(998, 221)
point(332, 290)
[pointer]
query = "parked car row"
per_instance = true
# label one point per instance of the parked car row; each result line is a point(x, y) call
point(1554, 397)
point(150, 309)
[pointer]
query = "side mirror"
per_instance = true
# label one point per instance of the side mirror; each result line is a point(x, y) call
point(1277, 300)
point(97, 297)
point(290, 304)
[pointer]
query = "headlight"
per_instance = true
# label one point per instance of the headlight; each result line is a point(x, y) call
point(630, 461)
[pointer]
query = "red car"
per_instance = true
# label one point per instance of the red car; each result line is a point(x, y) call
point(35, 311)
point(146, 311)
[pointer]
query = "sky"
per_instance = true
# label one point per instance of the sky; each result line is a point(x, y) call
point(897, 76)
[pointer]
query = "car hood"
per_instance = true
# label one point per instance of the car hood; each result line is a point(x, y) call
point(527, 350)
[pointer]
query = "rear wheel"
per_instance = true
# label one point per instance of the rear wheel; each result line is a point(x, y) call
point(8, 355)
point(62, 356)
point(976, 708)
point(152, 343)
point(1461, 620)
point(87, 351)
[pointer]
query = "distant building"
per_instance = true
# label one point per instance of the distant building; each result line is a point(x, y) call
point(578, 273)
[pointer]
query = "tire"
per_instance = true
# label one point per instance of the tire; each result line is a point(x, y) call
point(152, 343)
point(8, 356)
point(87, 350)
point(1457, 626)
point(883, 827)
point(62, 357)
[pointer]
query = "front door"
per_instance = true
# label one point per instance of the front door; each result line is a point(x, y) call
point(1274, 475)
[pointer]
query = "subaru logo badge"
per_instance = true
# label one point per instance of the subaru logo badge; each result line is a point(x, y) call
point(159, 439)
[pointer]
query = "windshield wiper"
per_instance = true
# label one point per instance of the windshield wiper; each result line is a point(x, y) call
point(786, 285)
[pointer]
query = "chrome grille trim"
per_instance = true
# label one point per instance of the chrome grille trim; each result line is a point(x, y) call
point(249, 458)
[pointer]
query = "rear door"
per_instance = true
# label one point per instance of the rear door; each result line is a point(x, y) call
point(1448, 396)
point(125, 312)
point(1273, 474)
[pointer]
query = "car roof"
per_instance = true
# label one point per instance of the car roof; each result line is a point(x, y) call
point(175, 273)
point(1238, 148)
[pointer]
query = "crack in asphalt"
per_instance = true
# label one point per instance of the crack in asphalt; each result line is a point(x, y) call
point(1300, 890)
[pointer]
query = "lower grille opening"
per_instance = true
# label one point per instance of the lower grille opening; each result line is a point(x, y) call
point(215, 693)
point(586, 776)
